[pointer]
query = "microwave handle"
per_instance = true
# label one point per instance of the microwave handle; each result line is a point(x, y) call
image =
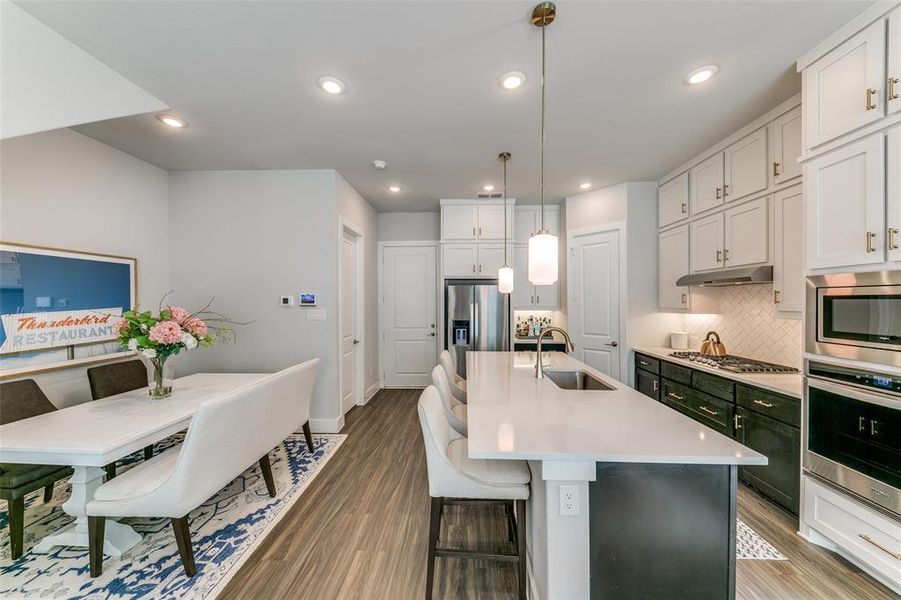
point(856, 394)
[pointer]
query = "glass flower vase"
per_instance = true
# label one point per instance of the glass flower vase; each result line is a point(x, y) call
point(160, 376)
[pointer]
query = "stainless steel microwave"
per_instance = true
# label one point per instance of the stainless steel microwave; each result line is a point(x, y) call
point(855, 316)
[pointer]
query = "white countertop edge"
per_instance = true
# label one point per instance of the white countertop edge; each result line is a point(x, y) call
point(626, 458)
point(793, 382)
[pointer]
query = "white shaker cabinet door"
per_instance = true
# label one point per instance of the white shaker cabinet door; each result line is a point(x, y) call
point(844, 90)
point(787, 146)
point(893, 193)
point(747, 240)
point(523, 224)
point(788, 263)
point(706, 242)
point(672, 263)
point(672, 201)
point(491, 223)
point(844, 192)
point(707, 184)
point(745, 166)
point(491, 258)
point(523, 290)
point(459, 222)
point(460, 260)
point(893, 81)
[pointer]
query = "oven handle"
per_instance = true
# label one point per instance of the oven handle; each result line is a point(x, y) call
point(854, 393)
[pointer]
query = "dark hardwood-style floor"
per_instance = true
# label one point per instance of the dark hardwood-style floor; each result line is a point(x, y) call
point(360, 532)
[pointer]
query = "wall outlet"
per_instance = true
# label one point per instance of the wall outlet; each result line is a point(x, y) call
point(569, 500)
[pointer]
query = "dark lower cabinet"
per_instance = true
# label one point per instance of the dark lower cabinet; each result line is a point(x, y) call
point(647, 383)
point(781, 444)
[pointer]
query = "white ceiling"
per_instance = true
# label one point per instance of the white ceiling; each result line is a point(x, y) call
point(422, 85)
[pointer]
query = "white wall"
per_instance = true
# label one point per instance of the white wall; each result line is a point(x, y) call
point(48, 82)
point(358, 213)
point(409, 226)
point(65, 190)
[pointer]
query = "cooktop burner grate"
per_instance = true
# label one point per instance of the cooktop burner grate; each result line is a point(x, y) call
point(735, 364)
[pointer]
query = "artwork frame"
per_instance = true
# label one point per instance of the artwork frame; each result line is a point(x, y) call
point(68, 323)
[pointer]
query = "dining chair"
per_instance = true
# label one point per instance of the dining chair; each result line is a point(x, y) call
point(225, 437)
point(454, 410)
point(454, 478)
point(118, 378)
point(21, 400)
point(458, 384)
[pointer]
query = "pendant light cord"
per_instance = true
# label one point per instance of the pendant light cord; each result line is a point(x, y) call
point(543, 28)
point(505, 211)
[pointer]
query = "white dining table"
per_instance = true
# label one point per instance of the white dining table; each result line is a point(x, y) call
point(93, 434)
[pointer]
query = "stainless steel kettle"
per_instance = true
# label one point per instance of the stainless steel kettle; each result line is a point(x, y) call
point(711, 345)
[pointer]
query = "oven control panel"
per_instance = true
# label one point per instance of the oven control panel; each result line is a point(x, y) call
point(869, 380)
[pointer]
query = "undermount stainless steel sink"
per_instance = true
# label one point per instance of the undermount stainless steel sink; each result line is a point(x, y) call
point(576, 380)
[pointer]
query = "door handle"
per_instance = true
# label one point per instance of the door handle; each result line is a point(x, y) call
point(656, 385)
point(430, 335)
point(737, 421)
point(358, 341)
point(871, 96)
point(613, 343)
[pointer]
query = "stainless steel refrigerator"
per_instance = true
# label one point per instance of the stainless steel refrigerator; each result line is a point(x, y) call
point(476, 318)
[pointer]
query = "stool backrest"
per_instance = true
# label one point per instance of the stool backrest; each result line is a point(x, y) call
point(448, 364)
point(437, 435)
point(117, 378)
point(22, 399)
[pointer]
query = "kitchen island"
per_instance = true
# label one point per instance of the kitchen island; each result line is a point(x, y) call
point(630, 499)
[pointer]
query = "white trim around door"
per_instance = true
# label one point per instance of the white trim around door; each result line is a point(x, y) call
point(349, 231)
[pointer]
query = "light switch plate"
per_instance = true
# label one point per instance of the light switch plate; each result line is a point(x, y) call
point(316, 314)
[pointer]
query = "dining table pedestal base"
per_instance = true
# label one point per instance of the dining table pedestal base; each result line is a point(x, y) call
point(118, 538)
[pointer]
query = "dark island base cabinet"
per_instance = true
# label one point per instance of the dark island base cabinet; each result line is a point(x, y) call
point(647, 383)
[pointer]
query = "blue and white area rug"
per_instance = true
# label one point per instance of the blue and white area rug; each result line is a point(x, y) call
point(224, 533)
point(750, 545)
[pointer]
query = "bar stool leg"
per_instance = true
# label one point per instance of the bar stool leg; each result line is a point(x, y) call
point(434, 531)
point(521, 546)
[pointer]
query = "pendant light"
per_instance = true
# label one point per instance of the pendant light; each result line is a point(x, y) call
point(543, 247)
point(505, 273)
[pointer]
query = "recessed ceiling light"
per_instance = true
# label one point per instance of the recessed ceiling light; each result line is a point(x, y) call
point(332, 85)
point(379, 165)
point(171, 121)
point(584, 186)
point(489, 187)
point(512, 80)
point(394, 188)
point(701, 74)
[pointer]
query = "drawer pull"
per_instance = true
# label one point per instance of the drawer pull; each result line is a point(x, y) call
point(644, 363)
point(708, 411)
point(737, 420)
point(763, 404)
point(675, 396)
point(868, 539)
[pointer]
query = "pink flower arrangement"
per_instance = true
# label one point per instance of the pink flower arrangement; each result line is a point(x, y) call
point(195, 327)
point(119, 325)
point(179, 315)
point(166, 332)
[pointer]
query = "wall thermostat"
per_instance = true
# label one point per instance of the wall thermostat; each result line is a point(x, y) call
point(307, 299)
point(286, 300)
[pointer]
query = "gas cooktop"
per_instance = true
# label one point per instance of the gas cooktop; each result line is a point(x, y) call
point(736, 364)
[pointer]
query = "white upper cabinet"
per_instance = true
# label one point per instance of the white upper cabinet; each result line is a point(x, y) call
point(707, 184)
point(527, 221)
point(459, 222)
point(844, 89)
point(526, 295)
point(491, 258)
point(706, 241)
point(893, 80)
point(746, 239)
point(786, 144)
point(491, 223)
point(460, 260)
point(845, 198)
point(672, 263)
point(893, 194)
point(672, 201)
point(745, 166)
point(788, 262)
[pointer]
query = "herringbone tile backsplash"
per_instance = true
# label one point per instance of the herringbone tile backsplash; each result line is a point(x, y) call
point(748, 326)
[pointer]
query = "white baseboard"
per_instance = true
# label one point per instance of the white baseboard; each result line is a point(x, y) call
point(327, 425)
point(371, 391)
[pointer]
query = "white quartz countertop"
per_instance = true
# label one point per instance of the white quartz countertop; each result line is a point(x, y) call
point(790, 384)
point(513, 415)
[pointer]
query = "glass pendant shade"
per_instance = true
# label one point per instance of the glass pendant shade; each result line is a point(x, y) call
point(543, 259)
point(505, 280)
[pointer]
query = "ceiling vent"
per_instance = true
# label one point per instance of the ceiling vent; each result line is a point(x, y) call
point(489, 195)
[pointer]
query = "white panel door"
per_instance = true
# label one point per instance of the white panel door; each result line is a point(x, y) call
point(460, 260)
point(348, 321)
point(672, 263)
point(746, 234)
point(523, 290)
point(844, 89)
point(893, 99)
point(893, 192)
point(459, 222)
point(491, 222)
point(672, 201)
point(788, 263)
point(787, 146)
point(594, 306)
point(745, 166)
point(707, 184)
point(844, 192)
point(491, 258)
point(409, 309)
point(707, 243)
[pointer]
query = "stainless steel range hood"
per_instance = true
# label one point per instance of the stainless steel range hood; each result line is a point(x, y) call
point(740, 276)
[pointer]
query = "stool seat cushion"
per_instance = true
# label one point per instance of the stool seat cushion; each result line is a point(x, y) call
point(17, 475)
point(512, 473)
point(460, 412)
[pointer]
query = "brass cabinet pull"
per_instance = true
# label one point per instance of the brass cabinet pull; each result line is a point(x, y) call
point(890, 238)
point(656, 385)
point(473, 268)
point(775, 169)
point(480, 232)
point(719, 254)
point(763, 404)
point(870, 540)
point(719, 192)
point(684, 208)
point(725, 255)
point(675, 396)
point(708, 411)
point(473, 232)
point(725, 189)
point(776, 297)
point(870, 238)
point(537, 299)
point(871, 94)
point(684, 298)
point(890, 93)
point(644, 363)
point(737, 422)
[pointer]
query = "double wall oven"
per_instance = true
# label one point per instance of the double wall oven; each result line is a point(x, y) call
point(853, 410)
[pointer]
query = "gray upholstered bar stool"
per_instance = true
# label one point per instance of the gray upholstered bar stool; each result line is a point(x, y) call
point(454, 410)
point(454, 478)
point(457, 383)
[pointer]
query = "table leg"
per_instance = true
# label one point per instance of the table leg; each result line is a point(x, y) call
point(119, 538)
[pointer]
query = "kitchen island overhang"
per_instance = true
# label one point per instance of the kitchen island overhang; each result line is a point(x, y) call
point(655, 491)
